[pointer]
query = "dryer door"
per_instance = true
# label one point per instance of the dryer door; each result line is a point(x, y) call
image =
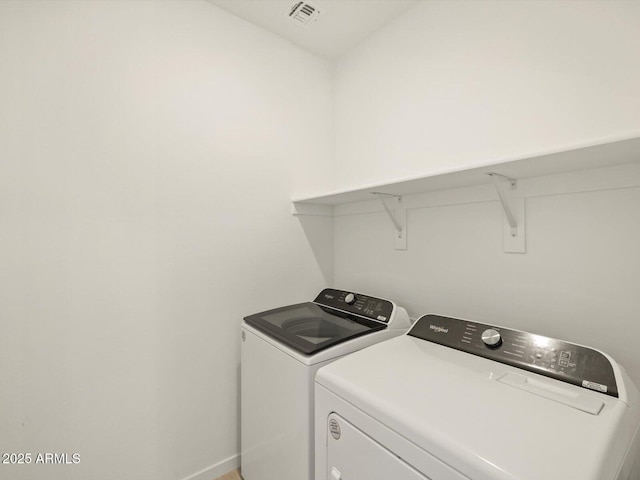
point(352, 455)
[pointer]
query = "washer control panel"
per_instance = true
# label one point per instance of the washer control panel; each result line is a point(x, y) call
point(370, 307)
point(546, 356)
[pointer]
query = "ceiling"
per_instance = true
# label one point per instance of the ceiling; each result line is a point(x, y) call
point(341, 25)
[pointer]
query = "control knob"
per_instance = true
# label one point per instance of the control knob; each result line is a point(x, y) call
point(350, 299)
point(491, 338)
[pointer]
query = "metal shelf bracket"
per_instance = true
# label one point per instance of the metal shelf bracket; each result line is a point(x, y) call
point(497, 180)
point(399, 225)
point(514, 229)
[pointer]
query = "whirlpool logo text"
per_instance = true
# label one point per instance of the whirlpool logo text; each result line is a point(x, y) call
point(438, 329)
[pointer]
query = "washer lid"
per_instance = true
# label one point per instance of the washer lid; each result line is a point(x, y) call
point(454, 405)
point(309, 328)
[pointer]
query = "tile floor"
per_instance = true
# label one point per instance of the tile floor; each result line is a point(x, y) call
point(235, 475)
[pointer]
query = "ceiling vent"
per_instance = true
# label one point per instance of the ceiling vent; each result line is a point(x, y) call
point(304, 13)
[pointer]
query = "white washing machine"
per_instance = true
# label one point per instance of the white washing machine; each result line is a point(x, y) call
point(455, 399)
point(281, 351)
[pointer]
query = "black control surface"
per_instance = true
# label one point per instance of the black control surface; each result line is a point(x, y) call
point(370, 307)
point(546, 356)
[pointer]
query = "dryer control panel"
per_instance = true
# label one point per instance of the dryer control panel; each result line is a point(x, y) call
point(546, 356)
point(371, 307)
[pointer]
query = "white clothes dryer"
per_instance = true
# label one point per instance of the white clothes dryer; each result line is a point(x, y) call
point(281, 351)
point(454, 399)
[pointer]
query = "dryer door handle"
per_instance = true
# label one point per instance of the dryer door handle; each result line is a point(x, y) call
point(335, 474)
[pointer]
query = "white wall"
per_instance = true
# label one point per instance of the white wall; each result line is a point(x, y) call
point(578, 279)
point(450, 84)
point(148, 152)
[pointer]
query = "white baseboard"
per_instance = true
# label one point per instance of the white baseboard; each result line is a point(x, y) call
point(217, 470)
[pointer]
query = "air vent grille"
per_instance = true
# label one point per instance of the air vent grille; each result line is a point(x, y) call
point(304, 13)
